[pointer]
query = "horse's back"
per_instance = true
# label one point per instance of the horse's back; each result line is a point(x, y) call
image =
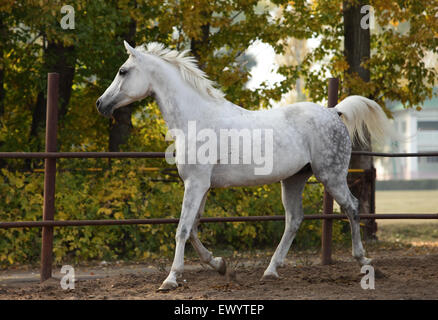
point(303, 133)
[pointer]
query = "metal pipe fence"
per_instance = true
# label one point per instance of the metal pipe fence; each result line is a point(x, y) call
point(110, 222)
point(50, 155)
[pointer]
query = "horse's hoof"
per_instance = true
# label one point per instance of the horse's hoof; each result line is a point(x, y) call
point(270, 276)
point(363, 261)
point(222, 268)
point(167, 286)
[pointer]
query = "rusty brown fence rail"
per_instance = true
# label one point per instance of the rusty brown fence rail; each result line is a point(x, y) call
point(155, 155)
point(110, 222)
point(71, 155)
point(51, 155)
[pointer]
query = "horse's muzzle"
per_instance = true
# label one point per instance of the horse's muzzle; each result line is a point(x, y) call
point(98, 104)
point(106, 112)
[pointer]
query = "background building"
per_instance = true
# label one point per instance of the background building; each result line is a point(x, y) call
point(419, 131)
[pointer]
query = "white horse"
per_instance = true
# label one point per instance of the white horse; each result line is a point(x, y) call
point(306, 139)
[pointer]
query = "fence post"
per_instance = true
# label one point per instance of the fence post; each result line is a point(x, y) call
point(49, 174)
point(326, 237)
point(371, 225)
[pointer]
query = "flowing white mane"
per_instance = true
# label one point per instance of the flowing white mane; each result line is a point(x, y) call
point(186, 64)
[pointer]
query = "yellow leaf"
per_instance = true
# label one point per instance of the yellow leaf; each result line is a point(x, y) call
point(106, 211)
point(118, 215)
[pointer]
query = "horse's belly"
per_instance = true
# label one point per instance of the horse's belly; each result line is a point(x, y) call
point(281, 162)
point(238, 175)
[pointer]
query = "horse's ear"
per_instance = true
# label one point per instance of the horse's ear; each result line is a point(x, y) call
point(129, 49)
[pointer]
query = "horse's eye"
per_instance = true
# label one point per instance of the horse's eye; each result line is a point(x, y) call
point(122, 71)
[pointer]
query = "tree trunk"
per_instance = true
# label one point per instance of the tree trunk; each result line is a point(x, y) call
point(3, 39)
point(2, 91)
point(120, 127)
point(357, 50)
point(61, 59)
point(199, 45)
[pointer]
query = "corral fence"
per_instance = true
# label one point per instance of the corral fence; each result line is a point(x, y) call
point(50, 155)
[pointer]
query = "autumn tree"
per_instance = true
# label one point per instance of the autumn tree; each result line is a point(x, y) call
point(88, 58)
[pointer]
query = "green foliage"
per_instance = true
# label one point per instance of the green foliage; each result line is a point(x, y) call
point(27, 27)
point(405, 32)
point(21, 199)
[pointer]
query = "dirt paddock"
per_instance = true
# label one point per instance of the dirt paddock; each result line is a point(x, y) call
point(404, 273)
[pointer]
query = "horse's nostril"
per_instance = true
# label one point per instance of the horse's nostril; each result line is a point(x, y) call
point(98, 102)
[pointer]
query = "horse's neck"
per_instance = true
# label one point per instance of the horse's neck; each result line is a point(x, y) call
point(179, 102)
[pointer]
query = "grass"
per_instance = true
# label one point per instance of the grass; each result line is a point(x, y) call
point(407, 230)
point(409, 233)
point(412, 201)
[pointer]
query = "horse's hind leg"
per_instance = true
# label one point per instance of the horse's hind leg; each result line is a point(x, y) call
point(291, 194)
point(339, 190)
point(206, 256)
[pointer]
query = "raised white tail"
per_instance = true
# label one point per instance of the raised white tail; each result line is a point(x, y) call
point(359, 112)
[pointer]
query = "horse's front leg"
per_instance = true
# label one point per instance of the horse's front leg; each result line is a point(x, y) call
point(206, 256)
point(193, 196)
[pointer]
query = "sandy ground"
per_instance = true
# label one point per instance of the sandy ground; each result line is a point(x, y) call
point(404, 273)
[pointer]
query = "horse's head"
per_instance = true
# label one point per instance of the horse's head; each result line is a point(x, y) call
point(129, 85)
